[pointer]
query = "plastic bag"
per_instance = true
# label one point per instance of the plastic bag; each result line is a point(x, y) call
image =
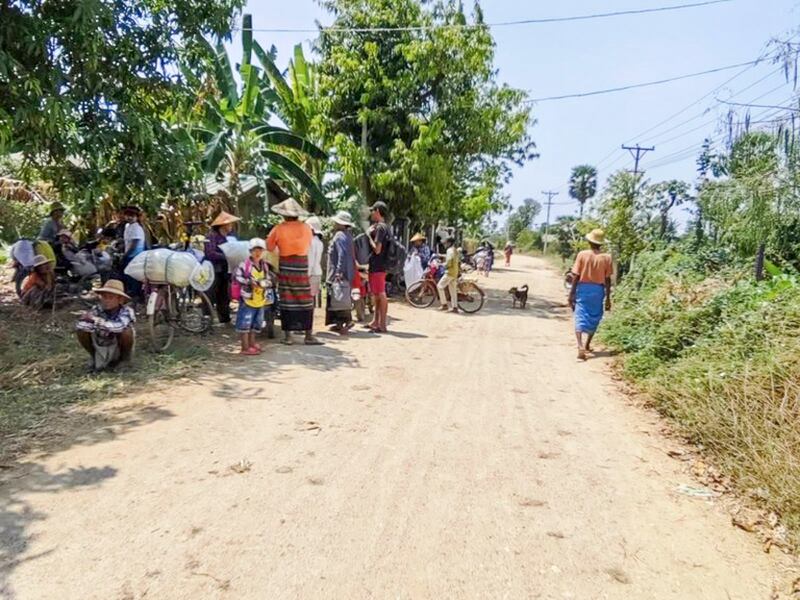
point(412, 270)
point(163, 266)
point(202, 278)
point(237, 252)
point(23, 253)
point(341, 298)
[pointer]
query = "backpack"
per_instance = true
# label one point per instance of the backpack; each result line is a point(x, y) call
point(394, 254)
point(236, 287)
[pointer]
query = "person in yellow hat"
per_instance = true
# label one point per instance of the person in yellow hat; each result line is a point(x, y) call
point(221, 228)
point(419, 246)
point(591, 290)
point(106, 331)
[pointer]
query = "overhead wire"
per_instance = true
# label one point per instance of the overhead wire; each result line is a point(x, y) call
point(539, 21)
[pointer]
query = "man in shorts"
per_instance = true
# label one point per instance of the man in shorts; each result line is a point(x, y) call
point(378, 236)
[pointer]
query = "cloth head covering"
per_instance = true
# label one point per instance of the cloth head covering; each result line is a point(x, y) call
point(343, 218)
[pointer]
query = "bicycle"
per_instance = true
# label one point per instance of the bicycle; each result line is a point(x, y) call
point(170, 308)
point(423, 293)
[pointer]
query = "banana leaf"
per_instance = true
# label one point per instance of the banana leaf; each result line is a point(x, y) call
point(294, 170)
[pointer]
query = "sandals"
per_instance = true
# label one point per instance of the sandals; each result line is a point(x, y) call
point(250, 352)
point(313, 342)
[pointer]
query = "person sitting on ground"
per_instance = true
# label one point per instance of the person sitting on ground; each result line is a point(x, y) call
point(341, 269)
point(38, 288)
point(106, 331)
point(419, 246)
point(254, 281)
point(591, 290)
point(449, 280)
point(52, 225)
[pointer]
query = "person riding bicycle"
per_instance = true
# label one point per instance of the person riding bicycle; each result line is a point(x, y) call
point(106, 331)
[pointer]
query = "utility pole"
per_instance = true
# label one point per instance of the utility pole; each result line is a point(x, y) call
point(637, 152)
point(550, 196)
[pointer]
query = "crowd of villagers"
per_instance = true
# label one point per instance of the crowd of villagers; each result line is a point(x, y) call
point(290, 285)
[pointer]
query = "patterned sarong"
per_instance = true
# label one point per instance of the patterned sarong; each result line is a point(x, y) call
point(294, 289)
point(589, 299)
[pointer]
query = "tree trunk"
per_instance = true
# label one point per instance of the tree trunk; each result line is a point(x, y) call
point(762, 248)
point(581, 209)
point(664, 225)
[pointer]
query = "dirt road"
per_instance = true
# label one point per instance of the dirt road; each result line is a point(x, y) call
point(460, 457)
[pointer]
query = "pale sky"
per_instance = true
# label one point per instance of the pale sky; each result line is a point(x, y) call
point(563, 58)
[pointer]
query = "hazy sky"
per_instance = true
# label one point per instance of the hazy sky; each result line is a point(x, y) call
point(562, 58)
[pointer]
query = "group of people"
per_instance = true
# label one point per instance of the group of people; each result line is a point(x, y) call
point(257, 285)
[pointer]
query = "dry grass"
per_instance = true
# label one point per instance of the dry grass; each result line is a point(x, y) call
point(43, 371)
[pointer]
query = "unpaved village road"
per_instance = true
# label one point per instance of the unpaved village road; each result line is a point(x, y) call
point(460, 457)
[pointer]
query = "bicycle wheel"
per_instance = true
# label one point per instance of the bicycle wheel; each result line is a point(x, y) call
point(421, 294)
point(159, 324)
point(470, 297)
point(194, 311)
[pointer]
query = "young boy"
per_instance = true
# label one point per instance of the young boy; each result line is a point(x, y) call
point(255, 284)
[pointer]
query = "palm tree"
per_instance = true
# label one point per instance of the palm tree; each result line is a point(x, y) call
point(583, 184)
point(237, 134)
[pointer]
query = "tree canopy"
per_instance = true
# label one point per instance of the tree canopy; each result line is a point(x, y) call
point(417, 116)
point(91, 91)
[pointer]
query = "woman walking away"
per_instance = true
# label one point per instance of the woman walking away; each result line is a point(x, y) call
point(315, 253)
point(508, 251)
point(591, 290)
point(253, 280)
point(292, 239)
point(221, 228)
point(341, 271)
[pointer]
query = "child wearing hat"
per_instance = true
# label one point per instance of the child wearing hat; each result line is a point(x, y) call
point(38, 288)
point(252, 278)
point(106, 331)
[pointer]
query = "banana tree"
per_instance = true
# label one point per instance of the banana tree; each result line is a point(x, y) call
point(238, 135)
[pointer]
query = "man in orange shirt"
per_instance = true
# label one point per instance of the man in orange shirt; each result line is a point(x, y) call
point(292, 239)
point(591, 290)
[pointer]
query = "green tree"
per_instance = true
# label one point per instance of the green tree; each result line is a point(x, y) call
point(236, 134)
point(583, 184)
point(522, 218)
point(621, 216)
point(90, 91)
point(665, 196)
point(416, 115)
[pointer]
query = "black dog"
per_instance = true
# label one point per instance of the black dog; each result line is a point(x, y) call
point(520, 295)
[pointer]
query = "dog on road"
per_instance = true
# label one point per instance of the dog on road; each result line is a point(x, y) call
point(520, 295)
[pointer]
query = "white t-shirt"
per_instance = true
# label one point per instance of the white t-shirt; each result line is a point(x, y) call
point(134, 232)
point(315, 257)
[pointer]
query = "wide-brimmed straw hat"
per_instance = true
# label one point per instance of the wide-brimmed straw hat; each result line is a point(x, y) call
point(315, 223)
point(343, 218)
point(419, 238)
point(289, 208)
point(56, 207)
point(224, 218)
point(40, 260)
point(113, 286)
point(596, 236)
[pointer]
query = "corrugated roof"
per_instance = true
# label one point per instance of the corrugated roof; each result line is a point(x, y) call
point(213, 186)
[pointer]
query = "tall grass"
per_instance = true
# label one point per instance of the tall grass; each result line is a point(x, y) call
point(718, 353)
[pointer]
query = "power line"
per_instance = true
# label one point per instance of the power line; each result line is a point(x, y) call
point(642, 85)
point(760, 105)
point(541, 21)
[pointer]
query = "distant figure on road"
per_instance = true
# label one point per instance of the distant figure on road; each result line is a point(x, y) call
point(379, 237)
point(591, 290)
point(508, 251)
